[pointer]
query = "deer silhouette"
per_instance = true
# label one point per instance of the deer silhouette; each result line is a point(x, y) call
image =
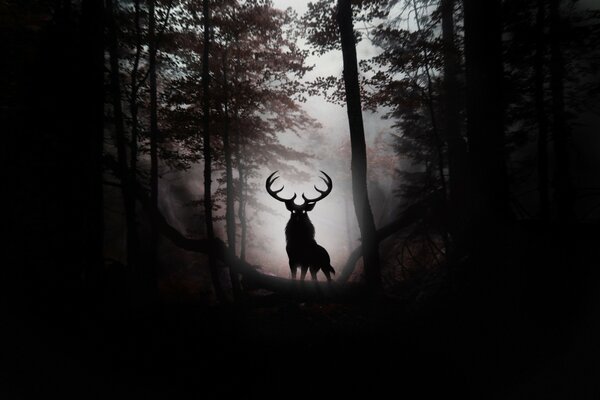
point(302, 249)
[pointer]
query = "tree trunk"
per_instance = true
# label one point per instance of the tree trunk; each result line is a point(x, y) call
point(229, 208)
point(349, 231)
point(488, 226)
point(121, 144)
point(210, 233)
point(92, 117)
point(437, 140)
point(485, 112)
point(133, 240)
point(431, 107)
point(562, 180)
point(357, 140)
point(150, 282)
point(457, 149)
point(542, 139)
point(242, 190)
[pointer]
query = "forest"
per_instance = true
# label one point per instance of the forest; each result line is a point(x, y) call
point(438, 162)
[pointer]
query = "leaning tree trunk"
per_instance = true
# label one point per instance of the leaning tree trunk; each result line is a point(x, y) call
point(357, 141)
point(562, 190)
point(210, 233)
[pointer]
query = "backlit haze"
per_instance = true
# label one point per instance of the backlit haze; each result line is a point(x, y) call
point(333, 217)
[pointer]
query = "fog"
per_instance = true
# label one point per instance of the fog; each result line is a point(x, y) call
point(333, 217)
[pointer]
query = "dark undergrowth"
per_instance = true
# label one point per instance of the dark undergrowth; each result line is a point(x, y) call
point(528, 334)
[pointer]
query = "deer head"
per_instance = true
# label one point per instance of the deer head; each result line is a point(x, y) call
point(309, 203)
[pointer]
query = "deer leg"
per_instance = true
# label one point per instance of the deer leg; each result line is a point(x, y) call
point(293, 268)
point(303, 272)
point(313, 274)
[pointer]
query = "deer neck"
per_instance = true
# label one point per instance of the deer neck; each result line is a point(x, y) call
point(299, 231)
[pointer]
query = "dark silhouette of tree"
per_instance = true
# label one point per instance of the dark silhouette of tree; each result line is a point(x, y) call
point(91, 117)
point(151, 271)
point(120, 139)
point(135, 82)
point(542, 139)
point(207, 150)
point(457, 148)
point(230, 195)
point(357, 135)
point(485, 111)
point(563, 191)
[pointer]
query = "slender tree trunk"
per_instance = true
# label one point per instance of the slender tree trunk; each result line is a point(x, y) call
point(437, 140)
point(485, 112)
point(92, 80)
point(229, 208)
point(210, 233)
point(359, 152)
point(133, 240)
point(153, 267)
point(349, 230)
point(542, 140)
point(242, 185)
point(457, 150)
point(562, 184)
point(121, 143)
point(243, 219)
point(241, 190)
point(429, 100)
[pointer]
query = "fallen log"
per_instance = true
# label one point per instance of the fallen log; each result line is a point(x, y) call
point(252, 278)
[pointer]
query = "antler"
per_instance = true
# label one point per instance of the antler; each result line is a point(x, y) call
point(273, 193)
point(324, 193)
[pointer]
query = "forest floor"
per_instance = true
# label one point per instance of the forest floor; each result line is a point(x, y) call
point(524, 341)
point(296, 350)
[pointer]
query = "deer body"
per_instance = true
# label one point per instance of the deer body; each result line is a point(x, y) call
point(302, 249)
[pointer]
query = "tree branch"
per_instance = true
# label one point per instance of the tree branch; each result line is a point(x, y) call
point(252, 278)
point(409, 216)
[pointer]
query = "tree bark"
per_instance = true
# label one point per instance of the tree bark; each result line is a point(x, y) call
point(542, 139)
point(357, 139)
point(242, 190)
point(150, 281)
point(457, 149)
point(485, 113)
point(229, 207)
point(121, 143)
point(431, 107)
point(562, 180)
point(92, 117)
point(210, 233)
point(133, 240)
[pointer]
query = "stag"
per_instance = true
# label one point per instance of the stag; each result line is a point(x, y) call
point(302, 249)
